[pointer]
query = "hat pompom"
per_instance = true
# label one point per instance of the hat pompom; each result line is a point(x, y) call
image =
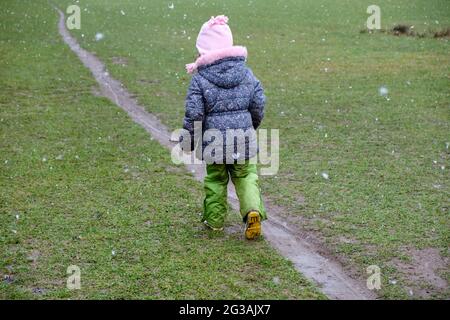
point(219, 20)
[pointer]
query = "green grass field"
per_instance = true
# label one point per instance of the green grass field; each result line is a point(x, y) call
point(85, 181)
point(385, 203)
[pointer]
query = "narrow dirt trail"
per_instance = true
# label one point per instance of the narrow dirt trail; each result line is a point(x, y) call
point(327, 273)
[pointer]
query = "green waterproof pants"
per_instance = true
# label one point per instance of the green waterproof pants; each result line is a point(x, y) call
point(245, 180)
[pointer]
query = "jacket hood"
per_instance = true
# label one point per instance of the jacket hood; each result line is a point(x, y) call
point(226, 73)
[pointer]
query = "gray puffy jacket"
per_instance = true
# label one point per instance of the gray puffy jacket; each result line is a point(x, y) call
point(225, 95)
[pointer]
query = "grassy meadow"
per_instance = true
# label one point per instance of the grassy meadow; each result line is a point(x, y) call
point(385, 202)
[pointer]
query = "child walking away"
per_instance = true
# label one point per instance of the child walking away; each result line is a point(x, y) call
point(225, 96)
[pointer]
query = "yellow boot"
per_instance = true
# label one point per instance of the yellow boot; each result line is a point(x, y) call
point(253, 226)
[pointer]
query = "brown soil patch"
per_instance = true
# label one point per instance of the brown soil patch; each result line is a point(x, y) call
point(424, 270)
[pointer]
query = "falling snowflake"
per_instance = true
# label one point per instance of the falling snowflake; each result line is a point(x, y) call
point(383, 91)
point(122, 12)
point(113, 252)
point(99, 36)
point(325, 175)
point(171, 6)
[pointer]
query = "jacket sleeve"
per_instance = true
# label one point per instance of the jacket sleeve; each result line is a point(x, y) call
point(257, 104)
point(195, 109)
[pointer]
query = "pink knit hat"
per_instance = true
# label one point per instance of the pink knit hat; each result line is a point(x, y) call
point(214, 34)
point(214, 42)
